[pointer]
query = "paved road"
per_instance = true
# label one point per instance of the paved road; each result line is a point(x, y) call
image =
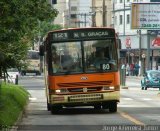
point(137, 107)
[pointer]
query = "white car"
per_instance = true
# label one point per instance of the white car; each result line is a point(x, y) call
point(13, 75)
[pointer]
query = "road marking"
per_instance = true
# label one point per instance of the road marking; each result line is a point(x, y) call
point(32, 98)
point(128, 99)
point(132, 119)
point(126, 105)
point(147, 99)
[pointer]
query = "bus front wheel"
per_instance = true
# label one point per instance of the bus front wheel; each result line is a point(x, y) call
point(48, 106)
point(113, 107)
point(55, 109)
point(97, 107)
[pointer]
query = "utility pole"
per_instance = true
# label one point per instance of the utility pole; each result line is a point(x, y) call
point(39, 43)
point(69, 13)
point(94, 19)
point(113, 17)
point(93, 14)
point(102, 10)
point(103, 13)
point(85, 19)
point(148, 51)
point(124, 19)
point(140, 52)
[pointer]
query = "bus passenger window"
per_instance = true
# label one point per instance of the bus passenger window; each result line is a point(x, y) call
point(56, 63)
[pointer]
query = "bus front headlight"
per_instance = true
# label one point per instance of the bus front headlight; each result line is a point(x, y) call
point(111, 87)
point(61, 91)
point(58, 91)
point(108, 88)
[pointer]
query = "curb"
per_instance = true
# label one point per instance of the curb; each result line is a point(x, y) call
point(15, 126)
point(134, 77)
point(158, 94)
point(124, 87)
point(21, 114)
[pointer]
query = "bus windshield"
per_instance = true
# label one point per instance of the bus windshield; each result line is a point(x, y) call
point(84, 56)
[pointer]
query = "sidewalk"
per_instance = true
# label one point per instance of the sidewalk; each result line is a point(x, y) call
point(134, 77)
point(130, 78)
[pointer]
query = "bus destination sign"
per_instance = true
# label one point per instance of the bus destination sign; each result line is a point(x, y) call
point(90, 34)
point(82, 34)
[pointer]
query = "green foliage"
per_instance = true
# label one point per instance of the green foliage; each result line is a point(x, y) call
point(18, 21)
point(13, 99)
point(43, 28)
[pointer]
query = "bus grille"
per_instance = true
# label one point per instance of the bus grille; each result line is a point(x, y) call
point(85, 97)
point(84, 84)
point(81, 87)
point(89, 89)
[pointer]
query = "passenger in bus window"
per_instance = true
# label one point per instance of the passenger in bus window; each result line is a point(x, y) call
point(56, 65)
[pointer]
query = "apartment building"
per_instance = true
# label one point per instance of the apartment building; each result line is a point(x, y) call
point(73, 13)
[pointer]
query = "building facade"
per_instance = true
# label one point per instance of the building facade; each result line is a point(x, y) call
point(73, 13)
point(136, 43)
point(102, 13)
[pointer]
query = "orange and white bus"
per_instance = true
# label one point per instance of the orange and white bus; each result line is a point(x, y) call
point(74, 73)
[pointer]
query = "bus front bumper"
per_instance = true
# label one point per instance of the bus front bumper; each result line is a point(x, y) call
point(85, 98)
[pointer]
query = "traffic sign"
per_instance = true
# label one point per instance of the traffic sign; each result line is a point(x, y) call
point(128, 42)
point(143, 55)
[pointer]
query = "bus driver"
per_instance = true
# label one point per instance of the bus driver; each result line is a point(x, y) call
point(100, 59)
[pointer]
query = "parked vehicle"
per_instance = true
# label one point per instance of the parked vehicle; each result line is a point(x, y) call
point(151, 79)
point(13, 75)
point(33, 64)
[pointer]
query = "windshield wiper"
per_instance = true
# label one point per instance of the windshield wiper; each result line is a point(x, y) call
point(68, 72)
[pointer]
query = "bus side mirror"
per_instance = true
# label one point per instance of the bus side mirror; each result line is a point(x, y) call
point(41, 50)
point(119, 43)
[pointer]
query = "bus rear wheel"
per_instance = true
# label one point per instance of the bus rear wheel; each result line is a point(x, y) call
point(113, 107)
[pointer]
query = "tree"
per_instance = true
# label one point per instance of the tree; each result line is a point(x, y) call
point(18, 20)
point(42, 29)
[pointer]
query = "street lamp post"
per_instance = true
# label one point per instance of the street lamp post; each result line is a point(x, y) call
point(93, 14)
